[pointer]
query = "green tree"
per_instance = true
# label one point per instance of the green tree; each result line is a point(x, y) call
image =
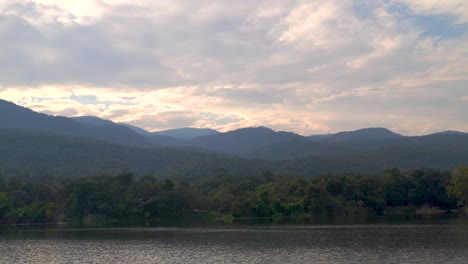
point(459, 186)
point(397, 188)
point(2, 183)
point(430, 188)
point(81, 198)
point(5, 205)
point(243, 206)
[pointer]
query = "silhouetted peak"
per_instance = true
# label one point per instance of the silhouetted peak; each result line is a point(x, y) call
point(9, 107)
point(245, 130)
point(186, 132)
point(360, 134)
point(449, 132)
point(373, 131)
point(93, 120)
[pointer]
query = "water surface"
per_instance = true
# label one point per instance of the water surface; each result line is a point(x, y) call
point(380, 240)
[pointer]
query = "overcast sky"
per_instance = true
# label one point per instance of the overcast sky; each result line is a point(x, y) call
point(304, 66)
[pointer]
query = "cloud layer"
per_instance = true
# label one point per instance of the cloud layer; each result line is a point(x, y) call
point(303, 66)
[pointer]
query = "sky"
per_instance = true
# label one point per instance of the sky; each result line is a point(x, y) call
point(310, 67)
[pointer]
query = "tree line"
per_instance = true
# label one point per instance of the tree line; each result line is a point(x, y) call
point(124, 196)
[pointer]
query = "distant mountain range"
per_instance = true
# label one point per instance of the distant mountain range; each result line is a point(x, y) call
point(178, 133)
point(361, 134)
point(32, 138)
point(186, 132)
point(16, 117)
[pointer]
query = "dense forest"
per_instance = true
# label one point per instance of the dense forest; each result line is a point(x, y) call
point(124, 196)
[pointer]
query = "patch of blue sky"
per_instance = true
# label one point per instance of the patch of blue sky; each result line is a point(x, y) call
point(364, 9)
point(443, 26)
point(41, 99)
point(85, 99)
point(436, 25)
point(93, 100)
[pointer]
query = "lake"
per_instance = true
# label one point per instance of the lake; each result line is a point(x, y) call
point(442, 239)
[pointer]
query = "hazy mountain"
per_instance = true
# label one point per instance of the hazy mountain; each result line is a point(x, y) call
point(361, 134)
point(445, 154)
point(362, 150)
point(16, 117)
point(33, 152)
point(243, 141)
point(37, 153)
point(298, 149)
point(450, 132)
point(398, 147)
point(137, 130)
point(169, 141)
point(92, 120)
point(186, 132)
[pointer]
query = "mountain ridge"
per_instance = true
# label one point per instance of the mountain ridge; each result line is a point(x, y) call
point(186, 132)
point(13, 116)
point(82, 119)
point(252, 142)
point(359, 134)
point(36, 153)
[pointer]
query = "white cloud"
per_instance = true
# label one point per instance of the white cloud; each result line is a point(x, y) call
point(307, 66)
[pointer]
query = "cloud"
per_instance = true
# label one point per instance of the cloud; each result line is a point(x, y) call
point(456, 8)
point(306, 66)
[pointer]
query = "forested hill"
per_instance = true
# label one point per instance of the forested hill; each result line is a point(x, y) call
point(432, 147)
point(16, 117)
point(37, 153)
point(32, 141)
point(186, 132)
point(360, 134)
point(243, 141)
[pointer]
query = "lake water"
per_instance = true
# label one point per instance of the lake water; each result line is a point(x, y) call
point(338, 240)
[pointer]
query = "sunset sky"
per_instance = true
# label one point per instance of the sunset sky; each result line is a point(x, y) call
point(310, 67)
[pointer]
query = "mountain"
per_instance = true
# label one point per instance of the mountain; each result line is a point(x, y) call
point(392, 148)
point(299, 148)
point(169, 141)
point(186, 132)
point(33, 153)
point(243, 141)
point(416, 155)
point(361, 134)
point(13, 116)
point(43, 153)
point(33, 140)
point(450, 132)
point(137, 130)
point(265, 143)
point(92, 120)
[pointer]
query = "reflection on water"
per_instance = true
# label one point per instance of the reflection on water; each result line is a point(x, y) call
point(370, 240)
